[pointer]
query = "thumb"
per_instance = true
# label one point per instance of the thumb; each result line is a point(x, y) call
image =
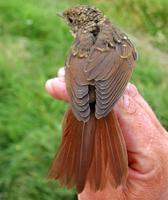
point(141, 130)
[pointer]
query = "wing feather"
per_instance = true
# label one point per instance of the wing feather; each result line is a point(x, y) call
point(111, 76)
point(108, 68)
point(106, 63)
point(102, 107)
point(77, 87)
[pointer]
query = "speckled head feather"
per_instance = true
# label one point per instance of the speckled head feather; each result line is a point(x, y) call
point(79, 17)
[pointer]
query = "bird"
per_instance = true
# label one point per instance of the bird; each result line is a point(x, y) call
point(97, 69)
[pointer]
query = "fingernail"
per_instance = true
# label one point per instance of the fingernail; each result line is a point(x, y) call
point(131, 90)
point(126, 101)
point(61, 72)
point(48, 84)
point(128, 104)
point(49, 87)
point(51, 84)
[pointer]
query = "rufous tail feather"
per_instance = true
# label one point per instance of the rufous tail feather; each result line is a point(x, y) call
point(92, 152)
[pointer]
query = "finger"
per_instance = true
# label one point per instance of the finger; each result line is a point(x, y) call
point(133, 121)
point(133, 92)
point(56, 88)
point(139, 130)
point(135, 114)
point(61, 72)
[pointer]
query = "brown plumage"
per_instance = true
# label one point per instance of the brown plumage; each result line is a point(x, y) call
point(98, 68)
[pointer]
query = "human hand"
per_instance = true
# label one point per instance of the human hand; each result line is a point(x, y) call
point(147, 146)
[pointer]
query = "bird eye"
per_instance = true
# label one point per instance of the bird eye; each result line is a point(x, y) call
point(70, 19)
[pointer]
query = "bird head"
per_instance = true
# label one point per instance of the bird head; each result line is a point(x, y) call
point(80, 17)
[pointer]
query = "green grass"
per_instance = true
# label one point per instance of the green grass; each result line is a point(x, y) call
point(33, 45)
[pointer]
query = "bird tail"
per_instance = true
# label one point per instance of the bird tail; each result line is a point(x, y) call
point(92, 152)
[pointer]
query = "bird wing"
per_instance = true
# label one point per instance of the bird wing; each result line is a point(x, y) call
point(77, 86)
point(110, 65)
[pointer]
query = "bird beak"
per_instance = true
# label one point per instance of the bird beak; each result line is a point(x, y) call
point(60, 14)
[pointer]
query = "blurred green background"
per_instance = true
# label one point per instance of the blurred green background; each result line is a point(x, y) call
point(33, 45)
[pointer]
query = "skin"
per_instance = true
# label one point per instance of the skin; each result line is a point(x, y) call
point(147, 145)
